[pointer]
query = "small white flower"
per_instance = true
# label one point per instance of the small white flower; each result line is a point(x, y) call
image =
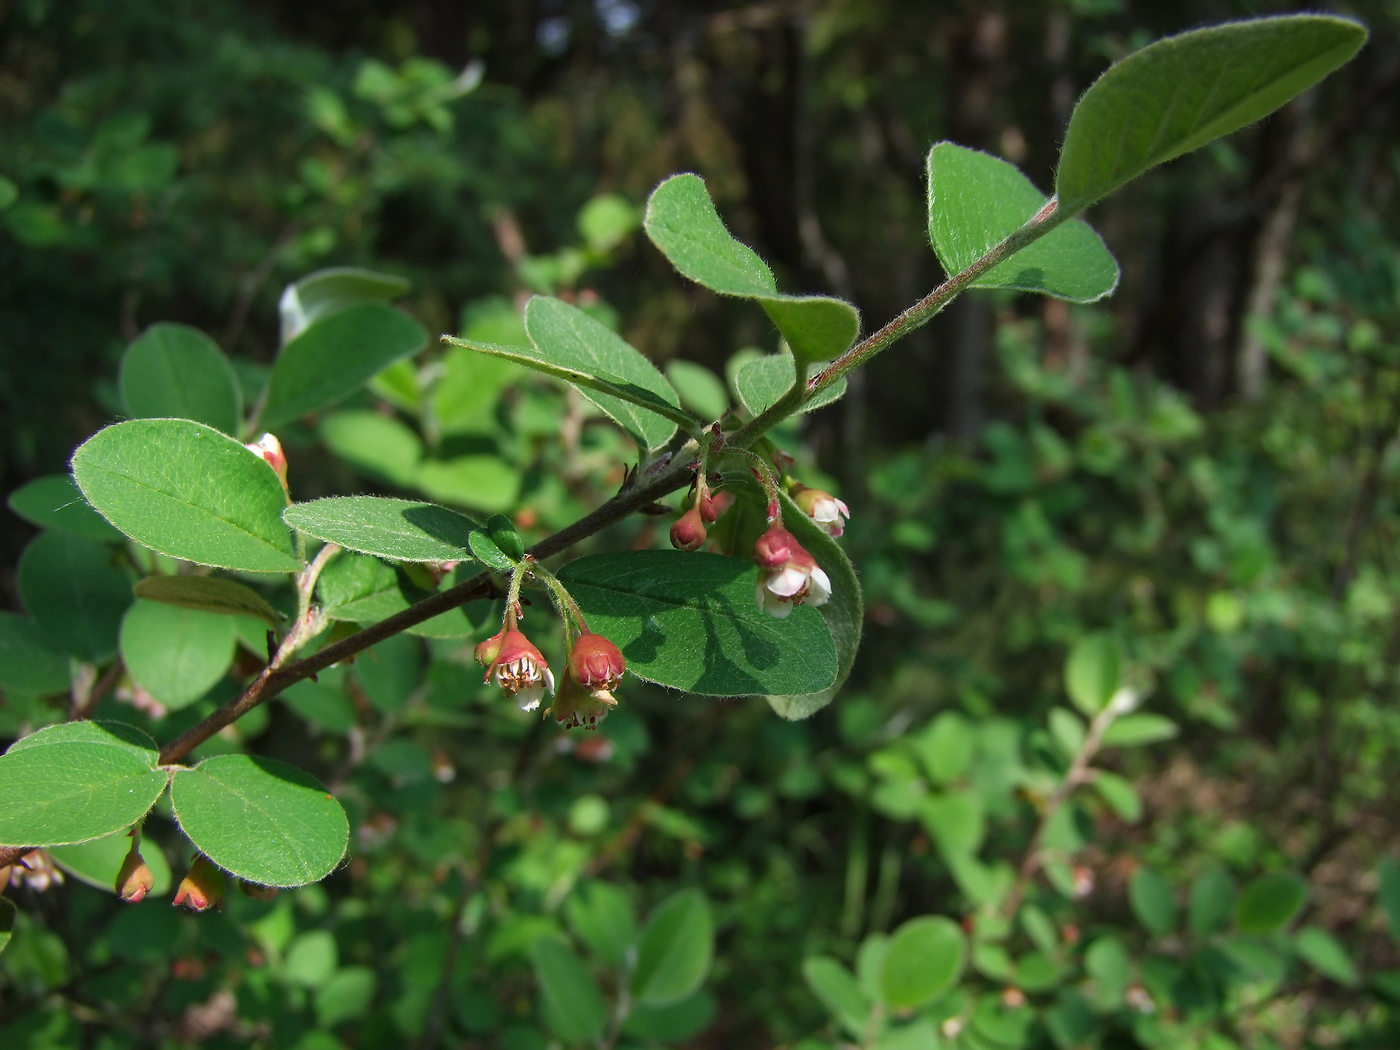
point(788, 575)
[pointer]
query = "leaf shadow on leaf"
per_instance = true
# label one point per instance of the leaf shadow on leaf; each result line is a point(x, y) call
point(441, 524)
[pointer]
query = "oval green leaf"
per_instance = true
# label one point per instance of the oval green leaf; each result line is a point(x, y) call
point(481, 482)
point(1092, 672)
point(66, 784)
point(976, 200)
point(1179, 93)
point(675, 951)
point(336, 356)
point(176, 654)
point(762, 381)
point(573, 1006)
point(108, 734)
point(1270, 903)
point(329, 291)
point(98, 862)
point(400, 529)
point(377, 444)
point(689, 621)
point(75, 593)
point(1140, 729)
point(838, 991)
point(29, 660)
point(175, 371)
point(1152, 901)
point(1325, 954)
point(55, 502)
point(362, 589)
point(923, 960)
point(186, 490)
point(261, 819)
point(212, 594)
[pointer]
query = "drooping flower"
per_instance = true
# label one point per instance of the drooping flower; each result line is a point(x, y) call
point(787, 574)
point(517, 667)
point(202, 887)
point(688, 532)
point(823, 508)
point(134, 878)
point(579, 707)
point(596, 662)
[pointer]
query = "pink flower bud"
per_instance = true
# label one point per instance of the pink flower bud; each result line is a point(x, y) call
point(488, 650)
point(595, 661)
point(688, 533)
point(787, 574)
point(715, 504)
point(823, 508)
point(270, 449)
point(518, 668)
point(134, 879)
point(202, 887)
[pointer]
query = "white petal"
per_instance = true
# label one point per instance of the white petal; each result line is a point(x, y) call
point(786, 582)
point(549, 679)
point(845, 510)
point(777, 608)
point(820, 589)
point(529, 698)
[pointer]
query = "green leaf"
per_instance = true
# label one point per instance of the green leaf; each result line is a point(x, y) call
point(1270, 903)
point(29, 661)
point(311, 959)
point(1388, 872)
point(212, 594)
point(261, 819)
point(390, 672)
point(838, 991)
point(336, 356)
point(1212, 903)
point(7, 911)
point(75, 593)
point(600, 915)
point(97, 862)
point(1152, 901)
point(329, 291)
point(1138, 730)
point(975, 201)
point(573, 1006)
point(346, 995)
point(700, 390)
point(689, 621)
point(177, 371)
point(1120, 795)
point(1325, 954)
point(605, 220)
point(675, 951)
point(188, 491)
point(176, 654)
point(764, 380)
point(9, 193)
point(390, 528)
point(363, 589)
point(566, 337)
point(843, 614)
point(379, 445)
point(1181, 92)
point(925, 957)
point(74, 782)
point(1091, 672)
point(55, 502)
point(681, 221)
point(483, 482)
point(945, 748)
point(957, 821)
point(1068, 730)
point(673, 1023)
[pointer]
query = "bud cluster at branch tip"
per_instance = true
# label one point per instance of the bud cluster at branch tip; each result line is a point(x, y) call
point(787, 574)
point(517, 666)
point(822, 507)
point(202, 887)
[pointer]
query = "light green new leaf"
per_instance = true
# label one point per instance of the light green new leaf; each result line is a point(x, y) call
point(212, 594)
point(54, 502)
point(261, 819)
point(97, 862)
point(336, 356)
point(573, 1006)
point(74, 782)
point(1181, 92)
point(481, 482)
point(976, 200)
point(29, 660)
point(74, 592)
point(843, 614)
point(1092, 672)
point(838, 991)
point(1137, 730)
point(567, 338)
point(311, 959)
point(1270, 903)
point(188, 491)
point(700, 390)
point(380, 445)
point(675, 950)
point(681, 220)
point(390, 528)
point(176, 654)
point(923, 960)
point(1325, 954)
point(762, 381)
point(329, 291)
point(690, 621)
point(600, 915)
point(177, 371)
